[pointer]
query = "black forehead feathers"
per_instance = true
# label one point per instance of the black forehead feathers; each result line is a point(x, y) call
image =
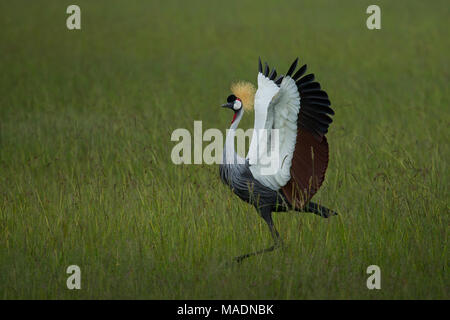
point(231, 98)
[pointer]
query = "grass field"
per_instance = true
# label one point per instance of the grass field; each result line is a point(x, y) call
point(86, 176)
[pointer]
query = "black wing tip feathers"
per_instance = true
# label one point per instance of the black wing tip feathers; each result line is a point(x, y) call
point(278, 81)
point(273, 74)
point(306, 79)
point(315, 108)
point(299, 72)
point(292, 67)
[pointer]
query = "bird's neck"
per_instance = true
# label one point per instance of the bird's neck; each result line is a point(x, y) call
point(229, 155)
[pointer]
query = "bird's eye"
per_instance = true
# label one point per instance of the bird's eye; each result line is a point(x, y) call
point(237, 105)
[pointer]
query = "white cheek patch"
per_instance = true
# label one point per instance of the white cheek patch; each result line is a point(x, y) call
point(237, 105)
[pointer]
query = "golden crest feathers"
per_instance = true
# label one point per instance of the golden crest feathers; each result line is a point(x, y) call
point(246, 92)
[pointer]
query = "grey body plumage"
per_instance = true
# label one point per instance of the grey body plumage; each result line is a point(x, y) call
point(241, 181)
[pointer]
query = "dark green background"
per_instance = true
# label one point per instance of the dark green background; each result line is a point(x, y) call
point(85, 170)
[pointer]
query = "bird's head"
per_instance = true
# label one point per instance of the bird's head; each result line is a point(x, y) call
point(233, 103)
point(242, 98)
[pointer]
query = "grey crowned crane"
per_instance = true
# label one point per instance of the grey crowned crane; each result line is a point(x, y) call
point(299, 109)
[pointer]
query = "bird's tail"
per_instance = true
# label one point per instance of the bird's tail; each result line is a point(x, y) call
point(319, 210)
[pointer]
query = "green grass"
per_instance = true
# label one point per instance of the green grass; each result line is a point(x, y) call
point(86, 176)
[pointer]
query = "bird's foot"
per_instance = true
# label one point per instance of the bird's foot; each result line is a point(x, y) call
point(278, 244)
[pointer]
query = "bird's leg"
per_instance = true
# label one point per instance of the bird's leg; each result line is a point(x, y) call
point(315, 208)
point(266, 214)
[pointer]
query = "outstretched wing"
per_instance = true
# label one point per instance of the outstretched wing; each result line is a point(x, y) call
point(310, 158)
point(276, 110)
point(300, 111)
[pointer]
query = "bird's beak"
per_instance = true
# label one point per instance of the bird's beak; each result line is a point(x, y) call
point(227, 105)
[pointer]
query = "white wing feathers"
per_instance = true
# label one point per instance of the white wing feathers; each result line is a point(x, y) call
point(271, 151)
point(267, 89)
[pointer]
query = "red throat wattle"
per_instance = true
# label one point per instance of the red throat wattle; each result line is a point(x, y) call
point(234, 117)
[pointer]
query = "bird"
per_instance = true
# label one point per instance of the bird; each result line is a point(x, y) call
point(296, 111)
